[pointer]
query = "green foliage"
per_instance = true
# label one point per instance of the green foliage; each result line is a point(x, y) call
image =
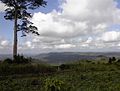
point(81, 76)
point(112, 60)
point(20, 59)
point(64, 66)
point(12, 84)
point(118, 60)
point(54, 85)
point(8, 60)
point(13, 69)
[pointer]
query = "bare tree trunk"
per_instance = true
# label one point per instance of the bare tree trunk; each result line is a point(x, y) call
point(15, 35)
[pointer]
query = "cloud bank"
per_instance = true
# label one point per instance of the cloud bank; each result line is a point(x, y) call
point(79, 25)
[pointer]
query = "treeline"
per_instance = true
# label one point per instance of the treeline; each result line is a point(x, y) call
point(24, 65)
point(19, 59)
point(113, 60)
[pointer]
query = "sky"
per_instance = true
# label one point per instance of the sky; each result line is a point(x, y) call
point(68, 26)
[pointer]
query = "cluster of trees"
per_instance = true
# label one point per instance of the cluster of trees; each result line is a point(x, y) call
point(113, 60)
point(19, 59)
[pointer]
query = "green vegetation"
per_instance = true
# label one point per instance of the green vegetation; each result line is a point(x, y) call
point(79, 76)
point(52, 84)
point(19, 59)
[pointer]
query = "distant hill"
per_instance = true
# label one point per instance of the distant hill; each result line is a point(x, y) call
point(59, 58)
point(66, 57)
point(4, 56)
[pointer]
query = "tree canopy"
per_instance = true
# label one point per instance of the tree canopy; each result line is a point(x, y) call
point(20, 7)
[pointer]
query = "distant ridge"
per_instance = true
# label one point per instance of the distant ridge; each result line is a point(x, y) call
point(65, 57)
point(4, 56)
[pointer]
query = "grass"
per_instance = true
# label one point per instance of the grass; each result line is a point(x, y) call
point(80, 76)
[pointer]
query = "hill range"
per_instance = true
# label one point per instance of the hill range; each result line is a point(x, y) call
point(66, 57)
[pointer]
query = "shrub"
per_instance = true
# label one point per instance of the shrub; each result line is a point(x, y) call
point(112, 60)
point(8, 60)
point(21, 59)
point(54, 85)
point(4, 69)
point(118, 62)
point(35, 82)
point(64, 66)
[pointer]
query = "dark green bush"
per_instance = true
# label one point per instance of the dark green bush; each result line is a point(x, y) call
point(111, 60)
point(118, 60)
point(64, 66)
point(8, 60)
point(20, 59)
point(36, 82)
point(13, 69)
point(4, 68)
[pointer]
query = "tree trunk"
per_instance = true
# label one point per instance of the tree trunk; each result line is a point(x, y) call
point(15, 35)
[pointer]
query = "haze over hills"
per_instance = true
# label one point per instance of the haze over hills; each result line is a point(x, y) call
point(4, 56)
point(66, 57)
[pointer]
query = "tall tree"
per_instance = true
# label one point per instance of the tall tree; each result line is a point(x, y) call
point(17, 11)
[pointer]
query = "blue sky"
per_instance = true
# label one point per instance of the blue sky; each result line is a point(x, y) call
point(118, 3)
point(81, 26)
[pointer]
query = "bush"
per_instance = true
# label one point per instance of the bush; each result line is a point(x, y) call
point(112, 60)
point(13, 69)
point(8, 60)
point(21, 59)
point(54, 85)
point(36, 82)
point(64, 66)
point(118, 60)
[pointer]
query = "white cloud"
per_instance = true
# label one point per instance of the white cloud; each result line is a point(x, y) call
point(78, 17)
point(52, 25)
point(2, 7)
point(89, 40)
point(80, 24)
point(97, 11)
point(64, 46)
point(116, 16)
point(4, 43)
point(111, 36)
point(28, 45)
point(5, 46)
point(99, 28)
